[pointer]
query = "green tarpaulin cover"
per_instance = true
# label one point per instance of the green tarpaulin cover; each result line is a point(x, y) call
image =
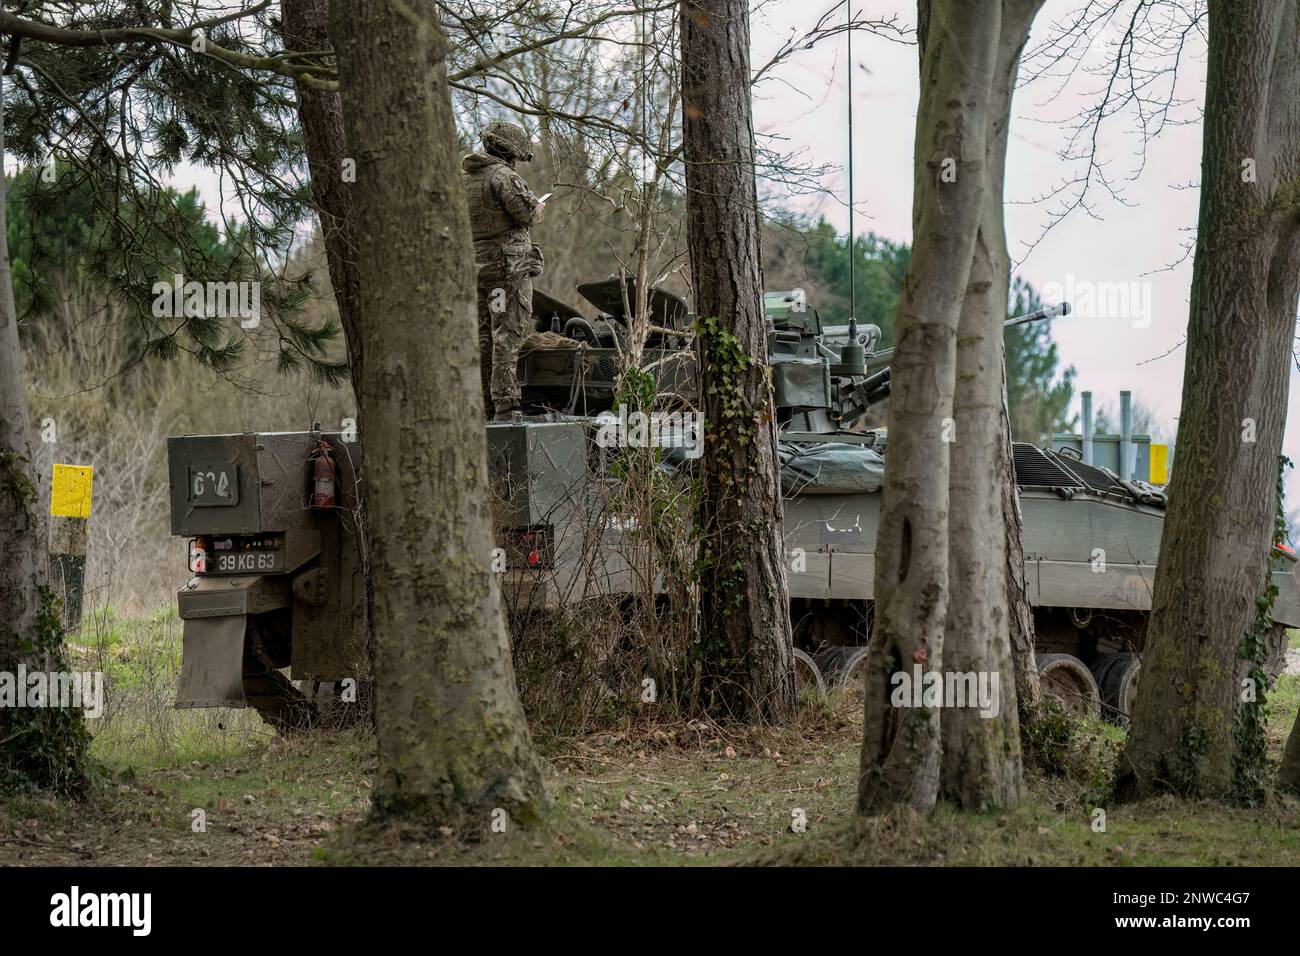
point(830, 468)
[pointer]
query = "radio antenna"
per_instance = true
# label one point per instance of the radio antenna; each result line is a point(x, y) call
point(853, 289)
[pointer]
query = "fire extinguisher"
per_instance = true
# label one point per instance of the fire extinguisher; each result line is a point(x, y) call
point(323, 472)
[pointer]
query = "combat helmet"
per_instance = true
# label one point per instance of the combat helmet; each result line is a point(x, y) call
point(508, 139)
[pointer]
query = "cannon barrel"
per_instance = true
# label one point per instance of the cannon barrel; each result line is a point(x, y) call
point(877, 386)
point(1051, 313)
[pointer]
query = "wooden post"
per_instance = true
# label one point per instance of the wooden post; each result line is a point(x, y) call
point(70, 495)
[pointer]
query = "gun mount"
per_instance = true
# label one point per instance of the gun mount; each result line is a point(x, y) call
point(860, 385)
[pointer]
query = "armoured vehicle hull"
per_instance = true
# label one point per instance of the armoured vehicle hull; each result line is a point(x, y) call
point(1090, 552)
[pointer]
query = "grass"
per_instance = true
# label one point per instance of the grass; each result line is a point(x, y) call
point(645, 793)
point(140, 658)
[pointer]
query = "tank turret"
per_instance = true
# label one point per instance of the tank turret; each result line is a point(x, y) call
point(857, 372)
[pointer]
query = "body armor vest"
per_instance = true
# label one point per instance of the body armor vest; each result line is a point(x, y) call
point(488, 219)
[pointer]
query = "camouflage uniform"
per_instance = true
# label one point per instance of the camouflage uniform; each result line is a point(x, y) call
point(501, 209)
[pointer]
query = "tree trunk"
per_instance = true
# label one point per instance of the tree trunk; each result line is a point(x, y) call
point(452, 736)
point(945, 542)
point(982, 762)
point(1021, 615)
point(902, 747)
point(304, 26)
point(22, 558)
point(1289, 773)
point(41, 747)
point(747, 645)
point(1245, 284)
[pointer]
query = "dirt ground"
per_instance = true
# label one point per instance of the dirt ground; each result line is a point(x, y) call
point(689, 793)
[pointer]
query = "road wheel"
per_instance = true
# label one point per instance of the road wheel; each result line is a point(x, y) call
point(1117, 678)
point(1065, 677)
point(807, 675)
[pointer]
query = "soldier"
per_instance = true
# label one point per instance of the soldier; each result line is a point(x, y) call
point(501, 209)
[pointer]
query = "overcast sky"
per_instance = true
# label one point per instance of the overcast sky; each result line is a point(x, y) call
point(1123, 244)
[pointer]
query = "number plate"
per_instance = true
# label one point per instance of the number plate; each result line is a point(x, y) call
point(214, 485)
point(244, 562)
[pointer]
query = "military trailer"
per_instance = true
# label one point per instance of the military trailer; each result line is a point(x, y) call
point(277, 575)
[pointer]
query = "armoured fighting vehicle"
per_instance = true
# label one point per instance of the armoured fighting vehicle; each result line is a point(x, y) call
point(273, 610)
point(1091, 534)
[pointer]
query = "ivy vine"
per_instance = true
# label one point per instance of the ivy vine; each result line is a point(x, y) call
point(44, 748)
point(1250, 762)
point(730, 433)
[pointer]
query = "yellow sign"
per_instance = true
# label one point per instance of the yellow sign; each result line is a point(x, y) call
point(70, 491)
point(1159, 464)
